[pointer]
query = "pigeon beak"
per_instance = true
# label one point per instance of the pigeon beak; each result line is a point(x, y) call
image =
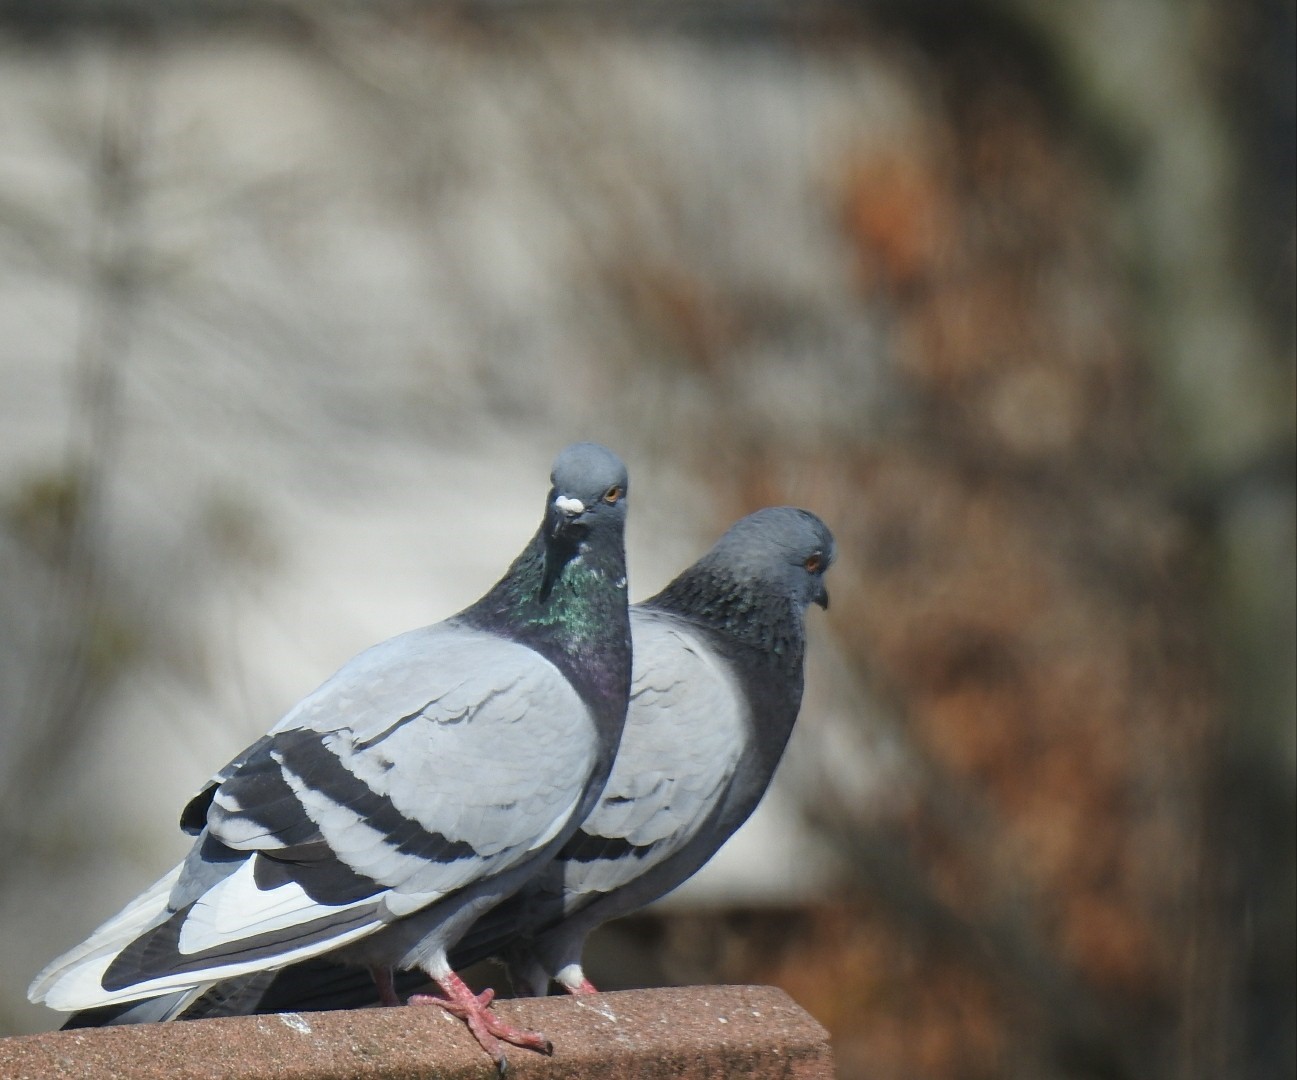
point(568, 515)
point(569, 507)
point(822, 597)
point(568, 518)
point(564, 528)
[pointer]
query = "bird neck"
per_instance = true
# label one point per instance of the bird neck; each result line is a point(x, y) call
point(761, 635)
point(568, 602)
point(732, 607)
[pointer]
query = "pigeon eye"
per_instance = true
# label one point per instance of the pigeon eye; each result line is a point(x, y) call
point(612, 494)
point(814, 563)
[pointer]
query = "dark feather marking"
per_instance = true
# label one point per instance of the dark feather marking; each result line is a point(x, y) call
point(265, 798)
point(194, 816)
point(322, 876)
point(214, 851)
point(459, 718)
point(157, 953)
point(303, 754)
point(396, 726)
point(586, 848)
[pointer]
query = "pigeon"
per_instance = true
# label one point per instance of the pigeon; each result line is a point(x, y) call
point(717, 686)
point(422, 784)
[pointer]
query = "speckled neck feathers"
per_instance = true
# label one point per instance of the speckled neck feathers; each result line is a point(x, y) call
point(758, 629)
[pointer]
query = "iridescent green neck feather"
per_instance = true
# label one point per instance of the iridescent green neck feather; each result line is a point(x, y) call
point(568, 602)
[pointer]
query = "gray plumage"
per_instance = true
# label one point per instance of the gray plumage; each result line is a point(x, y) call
point(717, 686)
point(419, 786)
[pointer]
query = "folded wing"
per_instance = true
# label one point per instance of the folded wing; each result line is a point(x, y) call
point(429, 762)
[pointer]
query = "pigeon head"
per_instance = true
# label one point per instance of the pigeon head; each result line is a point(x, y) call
point(588, 488)
point(784, 549)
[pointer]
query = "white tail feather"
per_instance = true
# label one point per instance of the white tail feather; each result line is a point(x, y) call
point(234, 909)
point(143, 913)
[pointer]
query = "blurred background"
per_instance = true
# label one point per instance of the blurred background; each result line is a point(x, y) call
point(298, 300)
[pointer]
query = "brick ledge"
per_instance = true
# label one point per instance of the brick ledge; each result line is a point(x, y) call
point(683, 1033)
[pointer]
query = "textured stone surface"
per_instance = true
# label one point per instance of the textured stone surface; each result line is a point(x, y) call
point(752, 1032)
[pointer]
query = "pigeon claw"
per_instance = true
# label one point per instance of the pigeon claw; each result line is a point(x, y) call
point(487, 1028)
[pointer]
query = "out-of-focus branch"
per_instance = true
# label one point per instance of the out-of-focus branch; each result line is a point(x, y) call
point(81, 648)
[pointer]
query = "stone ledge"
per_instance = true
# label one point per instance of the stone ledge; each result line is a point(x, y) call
point(681, 1033)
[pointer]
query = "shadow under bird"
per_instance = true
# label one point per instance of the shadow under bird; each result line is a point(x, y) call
point(717, 686)
point(421, 785)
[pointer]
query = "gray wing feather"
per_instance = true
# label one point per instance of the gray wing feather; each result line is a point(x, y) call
point(686, 733)
point(444, 746)
point(398, 777)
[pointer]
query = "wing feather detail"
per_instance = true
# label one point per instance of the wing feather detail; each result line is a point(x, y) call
point(686, 733)
point(391, 786)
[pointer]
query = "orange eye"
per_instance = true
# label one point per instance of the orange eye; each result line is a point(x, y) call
point(612, 494)
point(814, 563)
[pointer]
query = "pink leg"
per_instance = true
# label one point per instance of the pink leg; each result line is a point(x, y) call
point(572, 979)
point(486, 1027)
point(386, 986)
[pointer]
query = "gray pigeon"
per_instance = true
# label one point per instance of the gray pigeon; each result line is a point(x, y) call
point(418, 787)
point(717, 686)
point(716, 689)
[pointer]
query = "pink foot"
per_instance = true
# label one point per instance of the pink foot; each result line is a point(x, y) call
point(486, 1027)
point(585, 986)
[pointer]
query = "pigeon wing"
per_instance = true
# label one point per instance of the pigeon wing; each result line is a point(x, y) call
point(429, 762)
point(686, 732)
